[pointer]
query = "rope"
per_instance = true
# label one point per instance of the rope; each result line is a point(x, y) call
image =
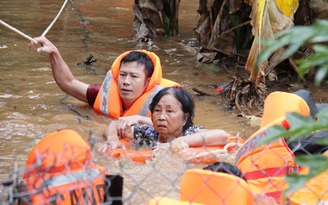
point(17, 31)
point(55, 19)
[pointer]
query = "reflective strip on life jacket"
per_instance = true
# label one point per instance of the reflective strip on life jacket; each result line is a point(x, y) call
point(65, 179)
point(145, 107)
point(80, 187)
point(104, 93)
point(252, 143)
point(269, 172)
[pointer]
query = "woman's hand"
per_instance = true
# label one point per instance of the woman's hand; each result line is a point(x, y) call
point(111, 144)
point(118, 131)
point(125, 125)
point(112, 138)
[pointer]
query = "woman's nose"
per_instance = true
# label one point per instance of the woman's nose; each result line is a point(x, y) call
point(162, 116)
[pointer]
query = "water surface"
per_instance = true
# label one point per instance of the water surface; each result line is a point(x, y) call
point(32, 105)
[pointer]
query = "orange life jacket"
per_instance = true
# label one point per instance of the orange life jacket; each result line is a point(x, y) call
point(265, 166)
point(206, 187)
point(59, 170)
point(313, 192)
point(164, 200)
point(109, 102)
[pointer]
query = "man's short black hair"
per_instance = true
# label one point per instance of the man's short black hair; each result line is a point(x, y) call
point(142, 59)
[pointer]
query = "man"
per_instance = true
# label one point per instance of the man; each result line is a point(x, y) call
point(134, 78)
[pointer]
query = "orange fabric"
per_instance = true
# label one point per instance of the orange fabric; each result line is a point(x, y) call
point(314, 191)
point(168, 201)
point(278, 103)
point(214, 188)
point(60, 170)
point(265, 166)
point(143, 155)
point(113, 101)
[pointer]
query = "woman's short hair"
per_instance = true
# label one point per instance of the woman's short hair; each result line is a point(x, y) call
point(183, 96)
point(142, 59)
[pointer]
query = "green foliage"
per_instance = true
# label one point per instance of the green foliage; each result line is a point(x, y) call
point(319, 59)
point(301, 126)
point(316, 164)
point(293, 39)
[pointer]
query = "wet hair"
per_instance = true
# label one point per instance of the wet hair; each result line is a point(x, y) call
point(183, 96)
point(225, 168)
point(142, 59)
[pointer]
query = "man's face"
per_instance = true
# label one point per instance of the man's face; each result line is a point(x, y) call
point(132, 82)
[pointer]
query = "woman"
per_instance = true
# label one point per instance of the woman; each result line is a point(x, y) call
point(172, 113)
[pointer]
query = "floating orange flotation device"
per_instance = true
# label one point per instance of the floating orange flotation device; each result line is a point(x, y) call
point(200, 186)
point(198, 155)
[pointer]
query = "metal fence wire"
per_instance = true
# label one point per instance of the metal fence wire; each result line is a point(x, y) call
point(65, 169)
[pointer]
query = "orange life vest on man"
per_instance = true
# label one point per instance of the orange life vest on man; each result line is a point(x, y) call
point(59, 170)
point(108, 100)
point(265, 166)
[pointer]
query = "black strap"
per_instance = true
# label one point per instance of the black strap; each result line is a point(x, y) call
point(114, 190)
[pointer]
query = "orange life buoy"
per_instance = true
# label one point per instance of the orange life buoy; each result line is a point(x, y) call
point(199, 186)
point(197, 155)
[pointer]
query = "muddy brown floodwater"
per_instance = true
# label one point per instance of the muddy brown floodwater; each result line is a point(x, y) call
point(32, 105)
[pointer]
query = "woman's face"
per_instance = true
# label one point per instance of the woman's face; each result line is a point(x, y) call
point(168, 118)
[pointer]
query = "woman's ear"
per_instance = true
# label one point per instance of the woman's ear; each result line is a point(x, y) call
point(186, 116)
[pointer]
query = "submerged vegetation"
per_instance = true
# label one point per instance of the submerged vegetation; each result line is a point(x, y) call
point(292, 40)
point(270, 40)
point(233, 31)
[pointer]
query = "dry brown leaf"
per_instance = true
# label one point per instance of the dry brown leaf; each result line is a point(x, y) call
point(320, 8)
point(266, 20)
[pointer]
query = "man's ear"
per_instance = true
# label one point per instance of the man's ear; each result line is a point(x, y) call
point(147, 82)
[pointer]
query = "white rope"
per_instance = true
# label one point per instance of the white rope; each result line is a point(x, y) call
point(223, 151)
point(55, 19)
point(206, 153)
point(43, 34)
point(232, 144)
point(17, 31)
